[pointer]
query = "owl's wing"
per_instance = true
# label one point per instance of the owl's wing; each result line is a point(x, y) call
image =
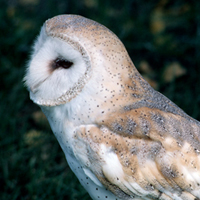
point(154, 151)
point(147, 150)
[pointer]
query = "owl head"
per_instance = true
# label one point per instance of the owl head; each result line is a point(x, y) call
point(74, 55)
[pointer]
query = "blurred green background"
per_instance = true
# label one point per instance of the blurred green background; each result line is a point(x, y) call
point(163, 40)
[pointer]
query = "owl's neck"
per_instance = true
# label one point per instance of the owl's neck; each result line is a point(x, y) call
point(97, 101)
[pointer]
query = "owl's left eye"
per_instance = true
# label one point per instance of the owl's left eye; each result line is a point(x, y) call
point(61, 63)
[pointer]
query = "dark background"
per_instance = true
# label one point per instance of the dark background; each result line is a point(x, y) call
point(163, 40)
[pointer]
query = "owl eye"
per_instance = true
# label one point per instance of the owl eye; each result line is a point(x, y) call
point(61, 63)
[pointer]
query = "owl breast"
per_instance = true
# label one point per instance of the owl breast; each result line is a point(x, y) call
point(78, 153)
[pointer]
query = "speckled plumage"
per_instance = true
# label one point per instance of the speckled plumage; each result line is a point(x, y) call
point(122, 139)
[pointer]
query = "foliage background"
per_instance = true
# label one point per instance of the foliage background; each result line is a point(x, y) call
point(162, 38)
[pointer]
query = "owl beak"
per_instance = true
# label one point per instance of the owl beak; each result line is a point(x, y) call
point(31, 94)
point(33, 89)
point(34, 98)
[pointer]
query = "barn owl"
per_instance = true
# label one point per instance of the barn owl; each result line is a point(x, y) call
point(121, 138)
